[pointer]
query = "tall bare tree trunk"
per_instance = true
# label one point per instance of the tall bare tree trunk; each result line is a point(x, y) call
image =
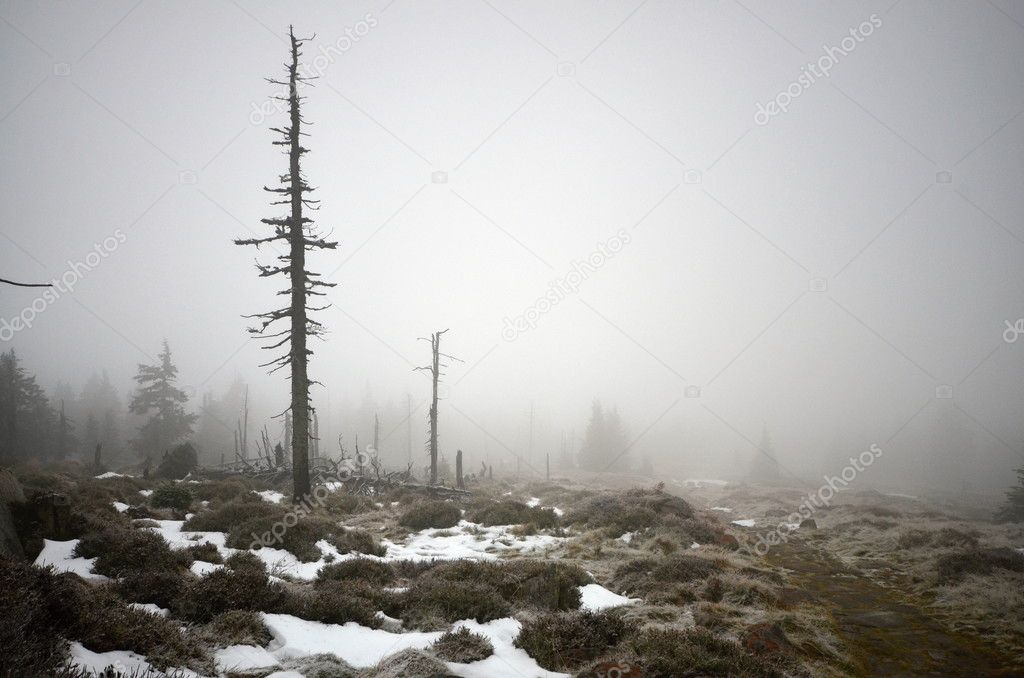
point(300, 237)
point(435, 342)
point(297, 256)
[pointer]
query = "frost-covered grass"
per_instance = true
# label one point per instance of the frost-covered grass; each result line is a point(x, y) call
point(358, 587)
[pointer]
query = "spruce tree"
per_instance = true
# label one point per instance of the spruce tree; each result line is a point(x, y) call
point(159, 398)
point(1013, 510)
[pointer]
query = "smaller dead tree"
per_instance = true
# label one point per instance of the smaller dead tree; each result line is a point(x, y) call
point(435, 368)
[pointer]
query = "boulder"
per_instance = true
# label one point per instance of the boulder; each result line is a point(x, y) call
point(766, 638)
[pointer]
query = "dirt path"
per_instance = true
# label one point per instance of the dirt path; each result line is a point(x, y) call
point(887, 635)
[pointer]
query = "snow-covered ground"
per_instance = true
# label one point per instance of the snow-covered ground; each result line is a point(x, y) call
point(59, 554)
point(464, 541)
point(124, 663)
point(744, 522)
point(151, 608)
point(594, 597)
point(358, 645)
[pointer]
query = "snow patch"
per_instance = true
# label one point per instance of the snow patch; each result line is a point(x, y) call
point(628, 537)
point(358, 645)
point(111, 474)
point(533, 501)
point(594, 597)
point(723, 509)
point(203, 568)
point(60, 554)
point(466, 540)
point(172, 532)
point(145, 493)
point(121, 507)
point(243, 658)
point(704, 482)
point(125, 663)
point(745, 522)
point(151, 608)
point(273, 496)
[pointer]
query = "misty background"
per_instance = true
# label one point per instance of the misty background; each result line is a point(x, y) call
point(840, 276)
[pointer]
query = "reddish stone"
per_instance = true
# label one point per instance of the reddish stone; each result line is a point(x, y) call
point(765, 638)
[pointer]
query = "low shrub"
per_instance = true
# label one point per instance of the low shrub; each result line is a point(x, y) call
point(41, 608)
point(171, 495)
point(565, 640)
point(334, 602)
point(525, 582)
point(463, 646)
point(514, 513)
point(914, 539)
point(343, 503)
point(431, 514)
point(120, 552)
point(300, 536)
point(236, 627)
point(645, 575)
point(666, 653)
point(222, 490)
point(244, 560)
point(629, 511)
point(365, 569)
point(30, 645)
point(231, 514)
point(429, 601)
point(272, 530)
point(408, 664)
point(206, 552)
point(104, 623)
point(349, 539)
point(323, 666)
point(949, 537)
point(954, 567)
point(744, 591)
point(241, 585)
point(160, 587)
point(879, 511)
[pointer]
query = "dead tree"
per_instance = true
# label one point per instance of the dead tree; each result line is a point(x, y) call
point(297, 232)
point(21, 284)
point(458, 470)
point(434, 368)
point(243, 430)
point(376, 433)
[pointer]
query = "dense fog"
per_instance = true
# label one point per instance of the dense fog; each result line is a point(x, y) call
point(748, 228)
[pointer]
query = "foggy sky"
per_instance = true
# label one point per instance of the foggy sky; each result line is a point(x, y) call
point(822, 274)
